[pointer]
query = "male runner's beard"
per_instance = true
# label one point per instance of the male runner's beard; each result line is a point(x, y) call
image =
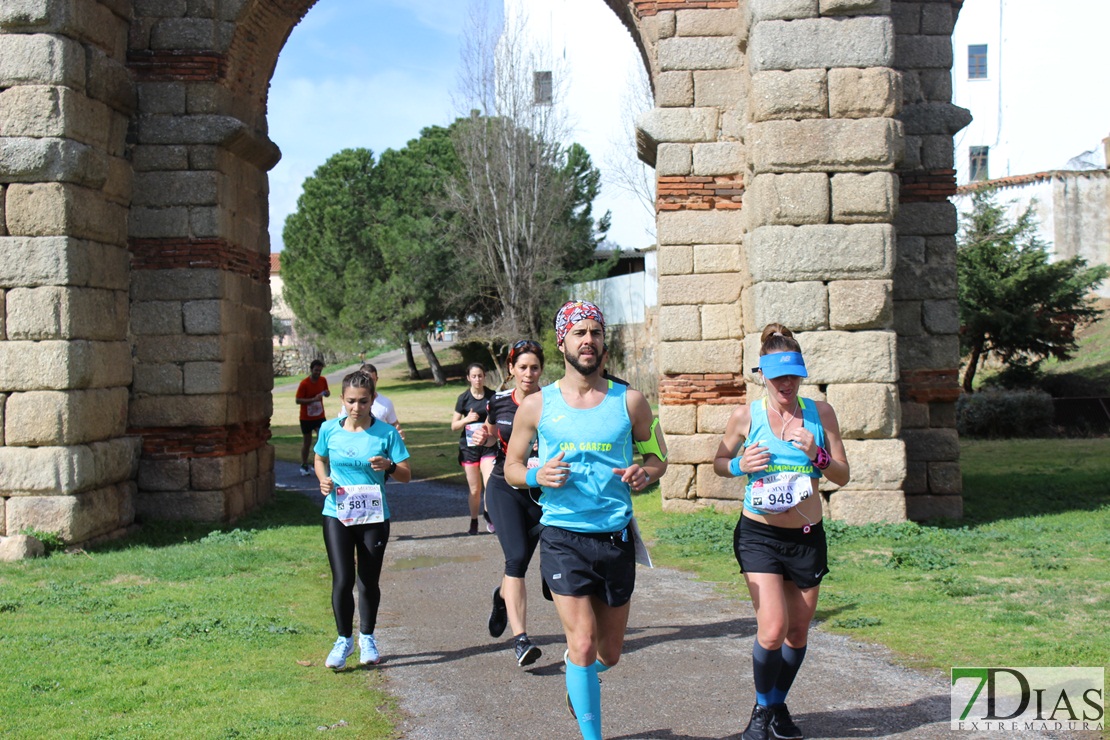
point(582, 367)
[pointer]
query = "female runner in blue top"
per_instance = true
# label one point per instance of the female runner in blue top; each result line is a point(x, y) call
point(354, 455)
point(789, 443)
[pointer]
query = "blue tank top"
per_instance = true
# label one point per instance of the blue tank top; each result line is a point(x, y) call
point(785, 457)
point(594, 441)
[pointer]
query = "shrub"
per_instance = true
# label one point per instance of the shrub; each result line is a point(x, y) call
point(1005, 414)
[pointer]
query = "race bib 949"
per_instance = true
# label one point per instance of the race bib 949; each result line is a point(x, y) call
point(780, 492)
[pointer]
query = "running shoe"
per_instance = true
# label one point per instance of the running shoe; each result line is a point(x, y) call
point(473, 527)
point(526, 651)
point(757, 725)
point(782, 724)
point(305, 471)
point(367, 650)
point(489, 523)
point(498, 616)
point(342, 650)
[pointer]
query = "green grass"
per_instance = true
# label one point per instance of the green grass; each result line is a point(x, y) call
point(1020, 581)
point(1092, 359)
point(182, 632)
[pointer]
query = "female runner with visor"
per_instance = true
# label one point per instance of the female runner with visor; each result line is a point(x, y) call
point(789, 443)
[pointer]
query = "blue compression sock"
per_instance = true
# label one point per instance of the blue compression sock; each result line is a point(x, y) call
point(791, 661)
point(601, 667)
point(585, 696)
point(766, 665)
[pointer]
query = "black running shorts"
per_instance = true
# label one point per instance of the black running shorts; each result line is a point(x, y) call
point(475, 455)
point(308, 426)
point(588, 564)
point(792, 553)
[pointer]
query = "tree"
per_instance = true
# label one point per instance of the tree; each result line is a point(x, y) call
point(1014, 303)
point(522, 201)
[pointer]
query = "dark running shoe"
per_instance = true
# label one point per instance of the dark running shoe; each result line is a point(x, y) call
point(757, 725)
point(782, 725)
point(526, 651)
point(473, 527)
point(498, 616)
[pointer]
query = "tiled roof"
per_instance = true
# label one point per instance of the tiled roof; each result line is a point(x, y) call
point(1016, 181)
point(275, 263)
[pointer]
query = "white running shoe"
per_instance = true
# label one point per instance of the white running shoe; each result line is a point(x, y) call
point(305, 471)
point(342, 650)
point(367, 650)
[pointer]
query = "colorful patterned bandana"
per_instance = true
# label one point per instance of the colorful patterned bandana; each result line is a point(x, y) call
point(571, 313)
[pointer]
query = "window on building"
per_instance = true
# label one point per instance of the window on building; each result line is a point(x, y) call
point(541, 88)
point(977, 161)
point(977, 61)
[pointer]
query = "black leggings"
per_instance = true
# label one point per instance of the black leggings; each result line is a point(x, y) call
point(342, 543)
point(515, 514)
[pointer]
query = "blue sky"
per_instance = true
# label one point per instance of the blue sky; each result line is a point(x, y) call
point(373, 73)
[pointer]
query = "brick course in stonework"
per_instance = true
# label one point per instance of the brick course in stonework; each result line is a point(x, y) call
point(927, 386)
point(694, 193)
point(651, 7)
point(932, 186)
point(186, 443)
point(702, 389)
point(169, 254)
point(169, 66)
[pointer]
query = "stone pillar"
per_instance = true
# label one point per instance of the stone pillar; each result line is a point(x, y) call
point(926, 311)
point(200, 294)
point(66, 464)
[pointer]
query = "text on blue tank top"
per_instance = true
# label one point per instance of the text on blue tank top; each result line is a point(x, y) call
point(594, 441)
point(785, 457)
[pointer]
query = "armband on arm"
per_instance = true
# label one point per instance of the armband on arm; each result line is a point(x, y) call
point(650, 446)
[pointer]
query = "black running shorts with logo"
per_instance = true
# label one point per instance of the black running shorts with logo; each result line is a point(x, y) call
point(792, 553)
point(588, 564)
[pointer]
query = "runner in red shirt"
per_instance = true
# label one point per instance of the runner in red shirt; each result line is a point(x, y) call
point(310, 398)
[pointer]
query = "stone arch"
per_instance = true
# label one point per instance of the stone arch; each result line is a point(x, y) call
point(803, 160)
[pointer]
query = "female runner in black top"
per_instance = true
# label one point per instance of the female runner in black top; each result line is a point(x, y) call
point(515, 512)
point(475, 456)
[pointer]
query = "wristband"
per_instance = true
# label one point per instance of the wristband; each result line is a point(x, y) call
point(391, 469)
point(734, 467)
point(532, 478)
point(823, 459)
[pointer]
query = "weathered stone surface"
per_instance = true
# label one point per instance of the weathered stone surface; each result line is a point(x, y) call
point(821, 43)
point(19, 547)
point(676, 260)
point(33, 262)
point(713, 419)
point(722, 356)
point(34, 471)
point(868, 507)
point(64, 209)
point(829, 252)
point(680, 124)
point(692, 448)
point(679, 322)
point(3, 318)
point(830, 145)
point(50, 111)
point(206, 317)
point(179, 349)
point(875, 92)
point(54, 312)
point(109, 81)
point(925, 281)
point(183, 33)
point(932, 445)
point(161, 379)
point(678, 483)
point(201, 506)
point(720, 158)
point(163, 475)
point(945, 478)
point(178, 285)
point(674, 89)
point(767, 10)
point(42, 59)
point(934, 118)
point(678, 420)
point(860, 304)
point(176, 411)
point(924, 508)
point(864, 198)
point(64, 365)
point(842, 357)
point(799, 93)
point(937, 152)
point(709, 23)
point(209, 377)
point(876, 464)
point(166, 157)
point(801, 306)
point(718, 88)
point(712, 258)
point(700, 52)
point(721, 321)
point(717, 489)
point(41, 418)
point(161, 97)
point(855, 7)
point(866, 410)
point(700, 227)
point(77, 517)
point(792, 199)
point(930, 353)
point(922, 52)
point(162, 189)
point(679, 289)
point(942, 317)
point(673, 159)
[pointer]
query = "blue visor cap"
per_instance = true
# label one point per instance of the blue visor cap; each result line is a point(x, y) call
point(777, 364)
